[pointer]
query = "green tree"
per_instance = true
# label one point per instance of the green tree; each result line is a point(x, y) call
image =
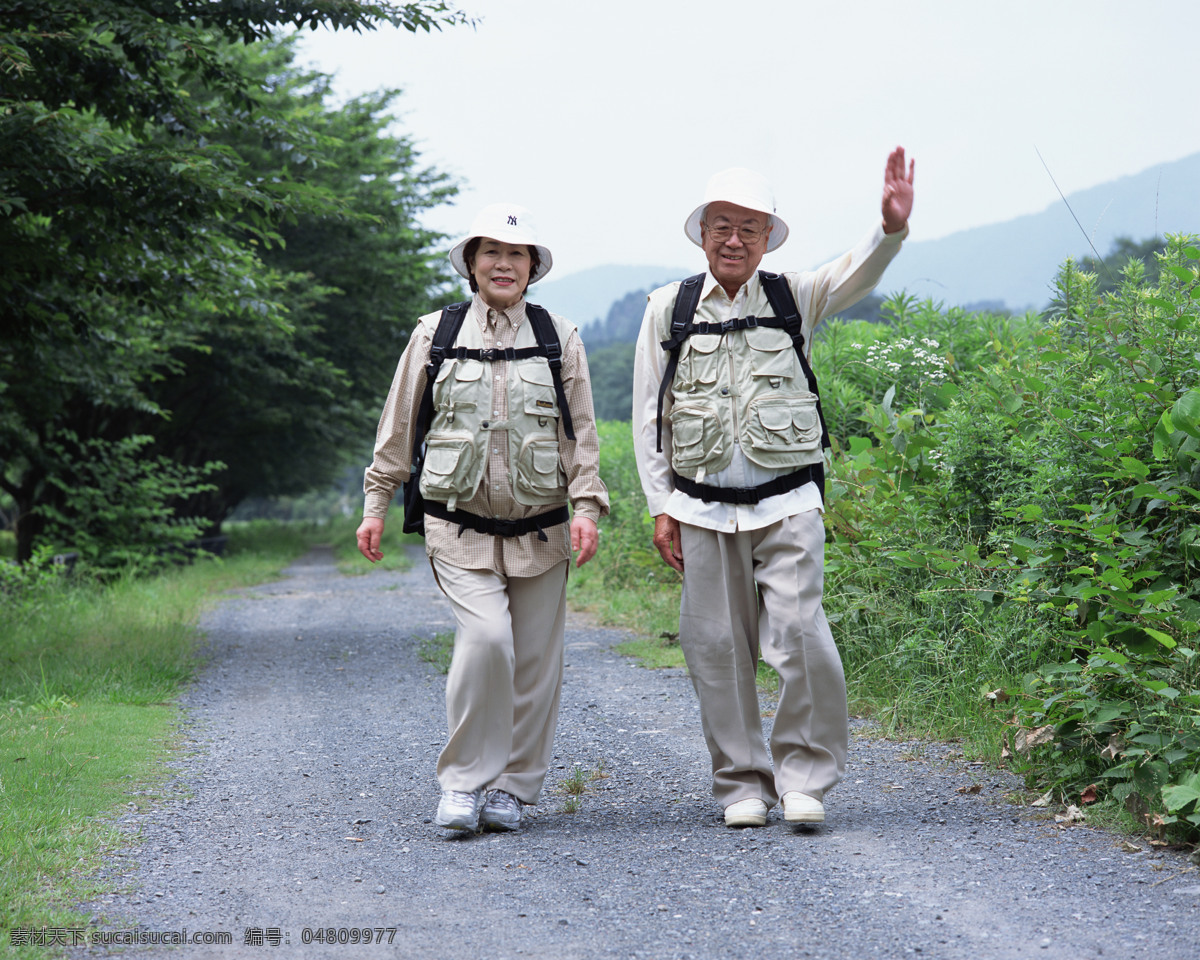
point(277, 406)
point(612, 380)
point(1109, 269)
point(126, 218)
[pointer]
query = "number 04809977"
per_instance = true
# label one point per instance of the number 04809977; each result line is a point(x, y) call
point(334, 935)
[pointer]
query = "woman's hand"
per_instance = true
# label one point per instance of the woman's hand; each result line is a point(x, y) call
point(585, 539)
point(370, 532)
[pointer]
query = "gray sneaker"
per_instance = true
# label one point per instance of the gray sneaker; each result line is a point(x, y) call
point(501, 812)
point(458, 810)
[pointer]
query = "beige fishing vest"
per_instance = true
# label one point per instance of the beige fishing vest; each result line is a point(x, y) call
point(745, 387)
point(461, 432)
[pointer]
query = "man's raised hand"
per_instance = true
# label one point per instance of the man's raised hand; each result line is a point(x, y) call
point(897, 191)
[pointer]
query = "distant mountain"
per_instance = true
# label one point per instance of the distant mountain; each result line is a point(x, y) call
point(1010, 264)
point(585, 297)
point(1016, 261)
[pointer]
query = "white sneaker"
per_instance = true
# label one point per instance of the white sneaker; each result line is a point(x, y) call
point(458, 810)
point(801, 808)
point(746, 813)
point(501, 812)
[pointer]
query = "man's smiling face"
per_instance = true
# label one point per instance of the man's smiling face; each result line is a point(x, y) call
point(732, 258)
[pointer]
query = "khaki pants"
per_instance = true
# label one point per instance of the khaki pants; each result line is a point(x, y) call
point(502, 692)
point(760, 591)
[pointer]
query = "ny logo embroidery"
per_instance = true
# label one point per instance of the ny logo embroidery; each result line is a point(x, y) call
point(512, 221)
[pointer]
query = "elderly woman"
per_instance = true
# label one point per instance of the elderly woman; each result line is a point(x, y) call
point(511, 438)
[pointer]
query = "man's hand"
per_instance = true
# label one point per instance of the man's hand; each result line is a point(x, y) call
point(666, 539)
point(370, 532)
point(585, 539)
point(897, 192)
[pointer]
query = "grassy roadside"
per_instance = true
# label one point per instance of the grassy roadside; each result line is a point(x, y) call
point(904, 705)
point(395, 557)
point(88, 678)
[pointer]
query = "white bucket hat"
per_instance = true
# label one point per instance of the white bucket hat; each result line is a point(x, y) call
point(508, 223)
point(745, 188)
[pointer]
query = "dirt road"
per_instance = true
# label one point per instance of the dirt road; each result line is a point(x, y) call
point(300, 810)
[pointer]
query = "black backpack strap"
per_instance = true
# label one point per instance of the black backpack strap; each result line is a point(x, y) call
point(444, 336)
point(779, 295)
point(547, 338)
point(687, 298)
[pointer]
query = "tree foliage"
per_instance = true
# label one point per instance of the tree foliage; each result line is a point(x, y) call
point(149, 180)
point(1040, 511)
point(1110, 269)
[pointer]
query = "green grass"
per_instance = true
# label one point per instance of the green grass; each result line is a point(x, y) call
point(66, 771)
point(88, 677)
point(651, 610)
point(353, 563)
point(577, 783)
point(438, 650)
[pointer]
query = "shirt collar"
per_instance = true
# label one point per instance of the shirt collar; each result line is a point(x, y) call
point(711, 284)
point(485, 314)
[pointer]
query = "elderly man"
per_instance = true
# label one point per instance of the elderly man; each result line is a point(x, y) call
point(730, 445)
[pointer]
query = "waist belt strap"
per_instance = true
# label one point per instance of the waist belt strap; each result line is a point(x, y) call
point(813, 473)
point(499, 528)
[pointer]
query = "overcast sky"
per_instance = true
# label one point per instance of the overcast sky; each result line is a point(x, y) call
point(607, 118)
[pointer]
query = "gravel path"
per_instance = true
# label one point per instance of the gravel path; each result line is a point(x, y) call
point(305, 793)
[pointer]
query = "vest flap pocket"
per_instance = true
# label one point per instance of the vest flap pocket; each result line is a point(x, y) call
point(699, 361)
point(806, 420)
point(544, 458)
point(447, 470)
point(465, 369)
point(537, 384)
point(782, 425)
point(456, 385)
point(773, 356)
point(775, 417)
point(695, 437)
point(703, 342)
point(536, 371)
point(539, 474)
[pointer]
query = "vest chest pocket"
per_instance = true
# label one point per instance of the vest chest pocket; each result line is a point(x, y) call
point(772, 356)
point(784, 424)
point(455, 385)
point(696, 437)
point(537, 386)
point(539, 473)
point(699, 362)
point(447, 471)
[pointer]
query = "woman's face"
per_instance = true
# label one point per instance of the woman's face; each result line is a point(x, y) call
point(502, 272)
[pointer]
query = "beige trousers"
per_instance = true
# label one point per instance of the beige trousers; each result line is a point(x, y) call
point(505, 679)
point(752, 592)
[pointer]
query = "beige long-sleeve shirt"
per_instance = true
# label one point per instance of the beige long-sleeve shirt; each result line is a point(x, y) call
point(524, 556)
point(820, 293)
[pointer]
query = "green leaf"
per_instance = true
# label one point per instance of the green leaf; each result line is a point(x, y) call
point(1178, 796)
point(1163, 638)
point(1185, 414)
point(1135, 467)
point(888, 398)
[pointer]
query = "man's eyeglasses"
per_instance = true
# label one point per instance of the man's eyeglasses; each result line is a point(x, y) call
point(723, 231)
